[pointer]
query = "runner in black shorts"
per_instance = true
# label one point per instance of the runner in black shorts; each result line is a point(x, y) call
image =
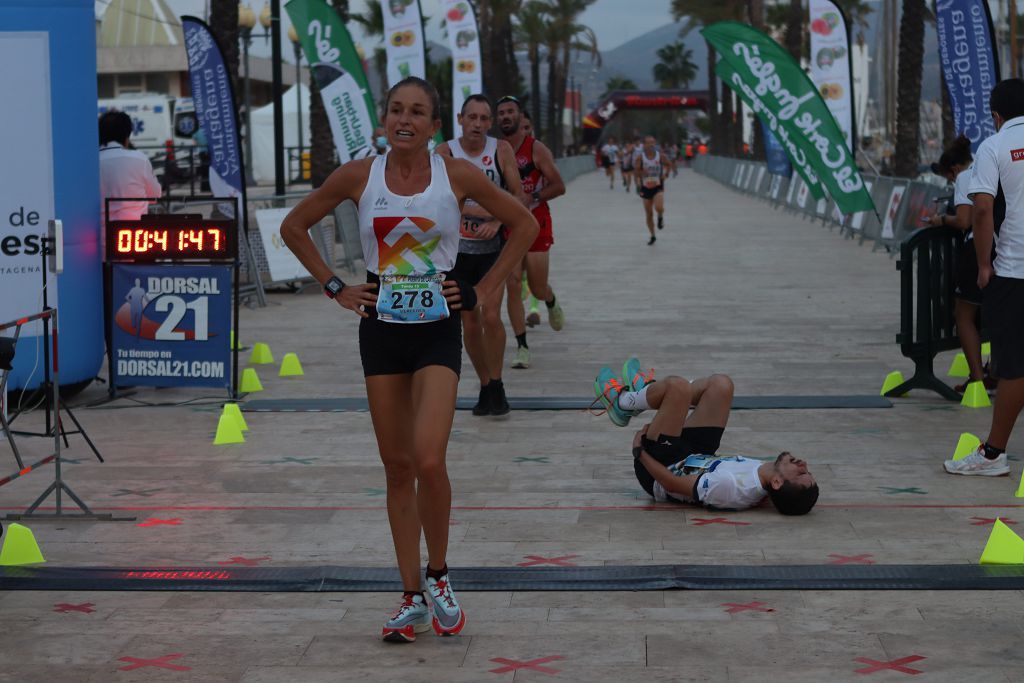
point(410, 204)
point(651, 169)
point(628, 154)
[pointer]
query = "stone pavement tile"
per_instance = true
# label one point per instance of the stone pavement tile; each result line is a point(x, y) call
point(366, 651)
point(80, 648)
point(607, 599)
point(846, 671)
point(417, 668)
point(526, 531)
point(577, 649)
point(688, 673)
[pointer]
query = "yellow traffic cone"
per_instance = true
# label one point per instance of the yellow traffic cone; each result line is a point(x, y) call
point(986, 349)
point(1020, 488)
point(892, 380)
point(959, 366)
point(1003, 546)
point(234, 411)
point(20, 547)
point(250, 381)
point(290, 366)
point(261, 354)
point(967, 444)
point(228, 431)
point(975, 396)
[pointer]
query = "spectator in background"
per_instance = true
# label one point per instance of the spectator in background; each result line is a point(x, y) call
point(124, 171)
point(955, 166)
point(997, 166)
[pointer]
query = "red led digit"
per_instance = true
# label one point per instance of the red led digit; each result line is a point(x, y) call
point(215, 232)
point(160, 237)
point(141, 243)
point(124, 241)
point(181, 240)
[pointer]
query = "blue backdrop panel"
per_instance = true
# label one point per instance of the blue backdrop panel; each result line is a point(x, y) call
point(75, 141)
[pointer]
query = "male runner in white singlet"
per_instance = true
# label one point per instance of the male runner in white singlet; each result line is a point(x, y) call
point(651, 169)
point(483, 331)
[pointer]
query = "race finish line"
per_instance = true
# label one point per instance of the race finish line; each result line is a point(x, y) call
point(343, 405)
point(557, 578)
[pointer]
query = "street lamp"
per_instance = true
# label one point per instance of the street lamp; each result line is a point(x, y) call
point(246, 22)
point(294, 37)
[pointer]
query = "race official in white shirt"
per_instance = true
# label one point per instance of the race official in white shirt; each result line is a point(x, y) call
point(124, 172)
point(1000, 163)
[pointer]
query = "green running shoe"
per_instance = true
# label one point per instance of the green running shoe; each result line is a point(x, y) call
point(607, 388)
point(634, 377)
point(556, 318)
point(522, 358)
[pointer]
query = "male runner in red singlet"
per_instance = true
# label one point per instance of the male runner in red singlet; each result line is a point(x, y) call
point(541, 183)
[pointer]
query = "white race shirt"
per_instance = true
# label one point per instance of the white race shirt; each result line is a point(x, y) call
point(126, 173)
point(728, 482)
point(1000, 160)
point(960, 187)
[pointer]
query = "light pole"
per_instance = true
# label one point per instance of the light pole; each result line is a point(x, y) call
point(294, 37)
point(246, 22)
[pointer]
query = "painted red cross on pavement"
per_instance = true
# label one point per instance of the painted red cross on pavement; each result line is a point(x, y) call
point(246, 561)
point(65, 607)
point(755, 606)
point(894, 665)
point(699, 521)
point(851, 559)
point(533, 665)
point(153, 521)
point(159, 662)
point(534, 560)
point(982, 521)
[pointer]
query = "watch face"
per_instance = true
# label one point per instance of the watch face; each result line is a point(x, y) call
point(333, 286)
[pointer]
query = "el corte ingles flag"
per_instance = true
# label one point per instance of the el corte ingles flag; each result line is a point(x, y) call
point(778, 90)
point(339, 74)
point(969, 64)
point(215, 107)
point(464, 41)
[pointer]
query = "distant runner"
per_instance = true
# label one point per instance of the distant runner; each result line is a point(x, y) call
point(609, 157)
point(628, 152)
point(650, 178)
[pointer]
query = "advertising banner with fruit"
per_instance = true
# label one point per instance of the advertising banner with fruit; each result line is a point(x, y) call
point(830, 64)
point(464, 41)
point(970, 65)
point(403, 39)
point(339, 73)
point(779, 90)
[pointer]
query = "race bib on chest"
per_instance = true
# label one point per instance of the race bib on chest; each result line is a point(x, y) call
point(412, 299)
point(469, 227)
point(652, 181)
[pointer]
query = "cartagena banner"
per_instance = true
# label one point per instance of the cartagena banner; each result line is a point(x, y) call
point(403, 39)
point(969, 63)
point(215, 107)
point(781, 92)
point(830, 64)
point(464, 42)
point(339, 74)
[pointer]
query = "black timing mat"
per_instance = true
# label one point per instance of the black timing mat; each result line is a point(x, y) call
point(604, 578)
point(342, 405)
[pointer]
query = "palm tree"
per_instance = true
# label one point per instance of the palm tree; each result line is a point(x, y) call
point(530, 32)
point(563, 36)
point(617, 83)
point(500, 69)
point(322, 159)
point(908, 95)
point(372, 21)
point(224, 25)
point(676, 68)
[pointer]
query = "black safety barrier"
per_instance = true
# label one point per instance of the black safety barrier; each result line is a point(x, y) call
point(927, 265)
point(597, 578)
point(344, 405)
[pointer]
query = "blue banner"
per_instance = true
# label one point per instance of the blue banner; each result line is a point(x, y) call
point(171, 325)
point(970, 65)
point(215, 107)
point(775, 153)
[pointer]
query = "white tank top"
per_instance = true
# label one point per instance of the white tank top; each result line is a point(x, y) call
point(651, 169)
point(486, 161)
point(409, 235)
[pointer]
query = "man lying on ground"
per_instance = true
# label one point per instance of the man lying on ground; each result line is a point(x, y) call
point(674, 455)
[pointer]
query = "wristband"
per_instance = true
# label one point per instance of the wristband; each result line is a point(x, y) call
point(637, 452)
point(333, 287)
point(468, 294)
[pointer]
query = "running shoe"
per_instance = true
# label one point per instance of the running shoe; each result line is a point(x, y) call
point(483, 404)
point(607, 388)
point(652, 240)
point(976, 464)
point(634, 377)
point(449, 618)
point(556, 317)
point(661, 221)
point(499, 402)
point(412, 617)
point(522, 358)
point(533, 318)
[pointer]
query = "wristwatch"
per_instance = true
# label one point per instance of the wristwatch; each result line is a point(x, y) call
point(536, 196)
point(333, 287)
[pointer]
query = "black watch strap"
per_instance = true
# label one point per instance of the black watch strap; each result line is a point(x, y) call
point(333, 287)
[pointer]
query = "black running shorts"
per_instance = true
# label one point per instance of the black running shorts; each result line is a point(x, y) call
point(650, 192)
point(471, 268)
point(396, 349)
point(672, 449)
point(1003, 317)
point(966, 277)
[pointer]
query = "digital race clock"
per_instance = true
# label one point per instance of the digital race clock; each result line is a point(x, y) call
point(171, 238)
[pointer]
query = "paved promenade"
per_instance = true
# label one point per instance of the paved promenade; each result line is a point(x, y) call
point(732, 285)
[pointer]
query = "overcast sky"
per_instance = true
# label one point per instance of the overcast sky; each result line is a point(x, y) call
point(614, 21)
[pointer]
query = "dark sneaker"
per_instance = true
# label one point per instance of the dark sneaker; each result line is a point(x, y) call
point(483, 404)
point(499, 402)
point(652, 240)
point(661, 221)
point(412, 617)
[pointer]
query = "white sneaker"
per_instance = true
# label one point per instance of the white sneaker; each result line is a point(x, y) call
point(976, 464)
point(449, 619)
point(412, 617)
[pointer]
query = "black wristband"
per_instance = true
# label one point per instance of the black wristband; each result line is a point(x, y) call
point(468, 294)
point(637, 452)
